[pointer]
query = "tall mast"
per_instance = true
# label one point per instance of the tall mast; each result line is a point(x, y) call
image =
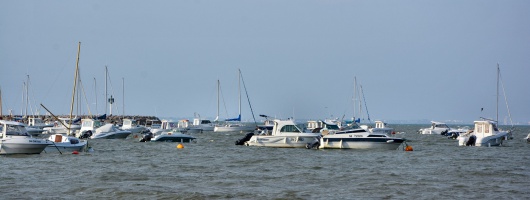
point(96, 95)
point(75, 85)
point(497, 108)
point(123, 95)
point(1, 113)
point(106, 95)
point(218, 86)
point(27, 96)
point(354, 96)
point(239, 90)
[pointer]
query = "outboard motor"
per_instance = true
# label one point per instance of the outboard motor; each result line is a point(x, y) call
point(147, 137)
point(471, 141)
point(453, 135)
point(314, 144)
point(244, 139)
point(86, 134)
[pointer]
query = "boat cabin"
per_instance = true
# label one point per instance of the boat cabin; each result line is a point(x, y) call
point(129, 123)
point(485, 128)
point(10, 128)
point(197, 122)
point(168, 124)
point(89, 125)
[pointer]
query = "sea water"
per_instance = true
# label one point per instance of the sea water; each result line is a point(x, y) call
point(215, 168)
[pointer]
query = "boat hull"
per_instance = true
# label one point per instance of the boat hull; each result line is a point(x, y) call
point(232, 128)
point(172, 138)
point(493, 140)
point(111, 135)
point(280, 141)
point(30, 146)
point(65, 147)
point(360, 143)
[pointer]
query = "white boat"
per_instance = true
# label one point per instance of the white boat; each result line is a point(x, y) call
point(285, 133)
point(168, 136)
point(59, 128)
point(35, 122)
point(16, 140)
point(65, 143)
point(485, 133)
point(109, 131)
point(201, 124)
point(437, 128)
point(353, 137)
point(527, 138)
point(380, 127)
point(165, 126)
point(133, 126)
point(234, 124)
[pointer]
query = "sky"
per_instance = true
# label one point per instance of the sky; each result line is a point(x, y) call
point(415, 60)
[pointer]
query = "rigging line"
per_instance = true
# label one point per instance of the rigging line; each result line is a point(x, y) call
point(248, 99)
point(56, 78)
point(224, 102)
point(86, 99)
point(505, 99)
point(362, 92)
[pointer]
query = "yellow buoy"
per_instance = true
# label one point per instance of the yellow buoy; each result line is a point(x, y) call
point(180, 146)
point(408, 148)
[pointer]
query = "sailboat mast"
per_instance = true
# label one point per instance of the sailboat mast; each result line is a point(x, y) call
point(123, 95)
point(218, 86)
point(106, 95)
point(75, 85)
point(239, 90)
point(96, 95)
point(354, 96)
point(497, 108)
point(27, 96)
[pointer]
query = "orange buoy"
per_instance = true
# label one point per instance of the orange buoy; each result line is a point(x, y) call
point(408, 148)
point(75, 152)
point(180, 146)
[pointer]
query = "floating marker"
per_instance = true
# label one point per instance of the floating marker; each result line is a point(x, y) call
point(75, 152)
point(408, 148)
point(180, 146)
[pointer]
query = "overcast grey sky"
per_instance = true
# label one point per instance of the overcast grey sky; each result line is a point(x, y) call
point(433, 60)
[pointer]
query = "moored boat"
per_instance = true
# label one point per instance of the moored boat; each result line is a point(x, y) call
point(65, 143)
point(16, 140)
point(285, 133)
point(353, 137)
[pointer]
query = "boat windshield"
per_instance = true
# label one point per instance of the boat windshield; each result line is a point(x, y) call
point(290, 128)
point(16, 130)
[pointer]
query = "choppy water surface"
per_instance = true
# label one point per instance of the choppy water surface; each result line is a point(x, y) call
point(214, 168)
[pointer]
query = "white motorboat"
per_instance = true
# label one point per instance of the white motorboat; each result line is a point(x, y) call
point(65, 143)
point(436, 128)
point(284, 133)
point(233, 127)
point(380, 127)
point(165, 126)
point(527, 138)
point(133, 126)
point(109, 131)
point(36, 122)
point(168, 136)
point(59, 128)
point(16, 140)
point(202, 124)
point(485, 133)
point(353, 137)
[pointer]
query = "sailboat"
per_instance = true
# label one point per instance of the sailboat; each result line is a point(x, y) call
point(233, 124)
point(486, 132)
